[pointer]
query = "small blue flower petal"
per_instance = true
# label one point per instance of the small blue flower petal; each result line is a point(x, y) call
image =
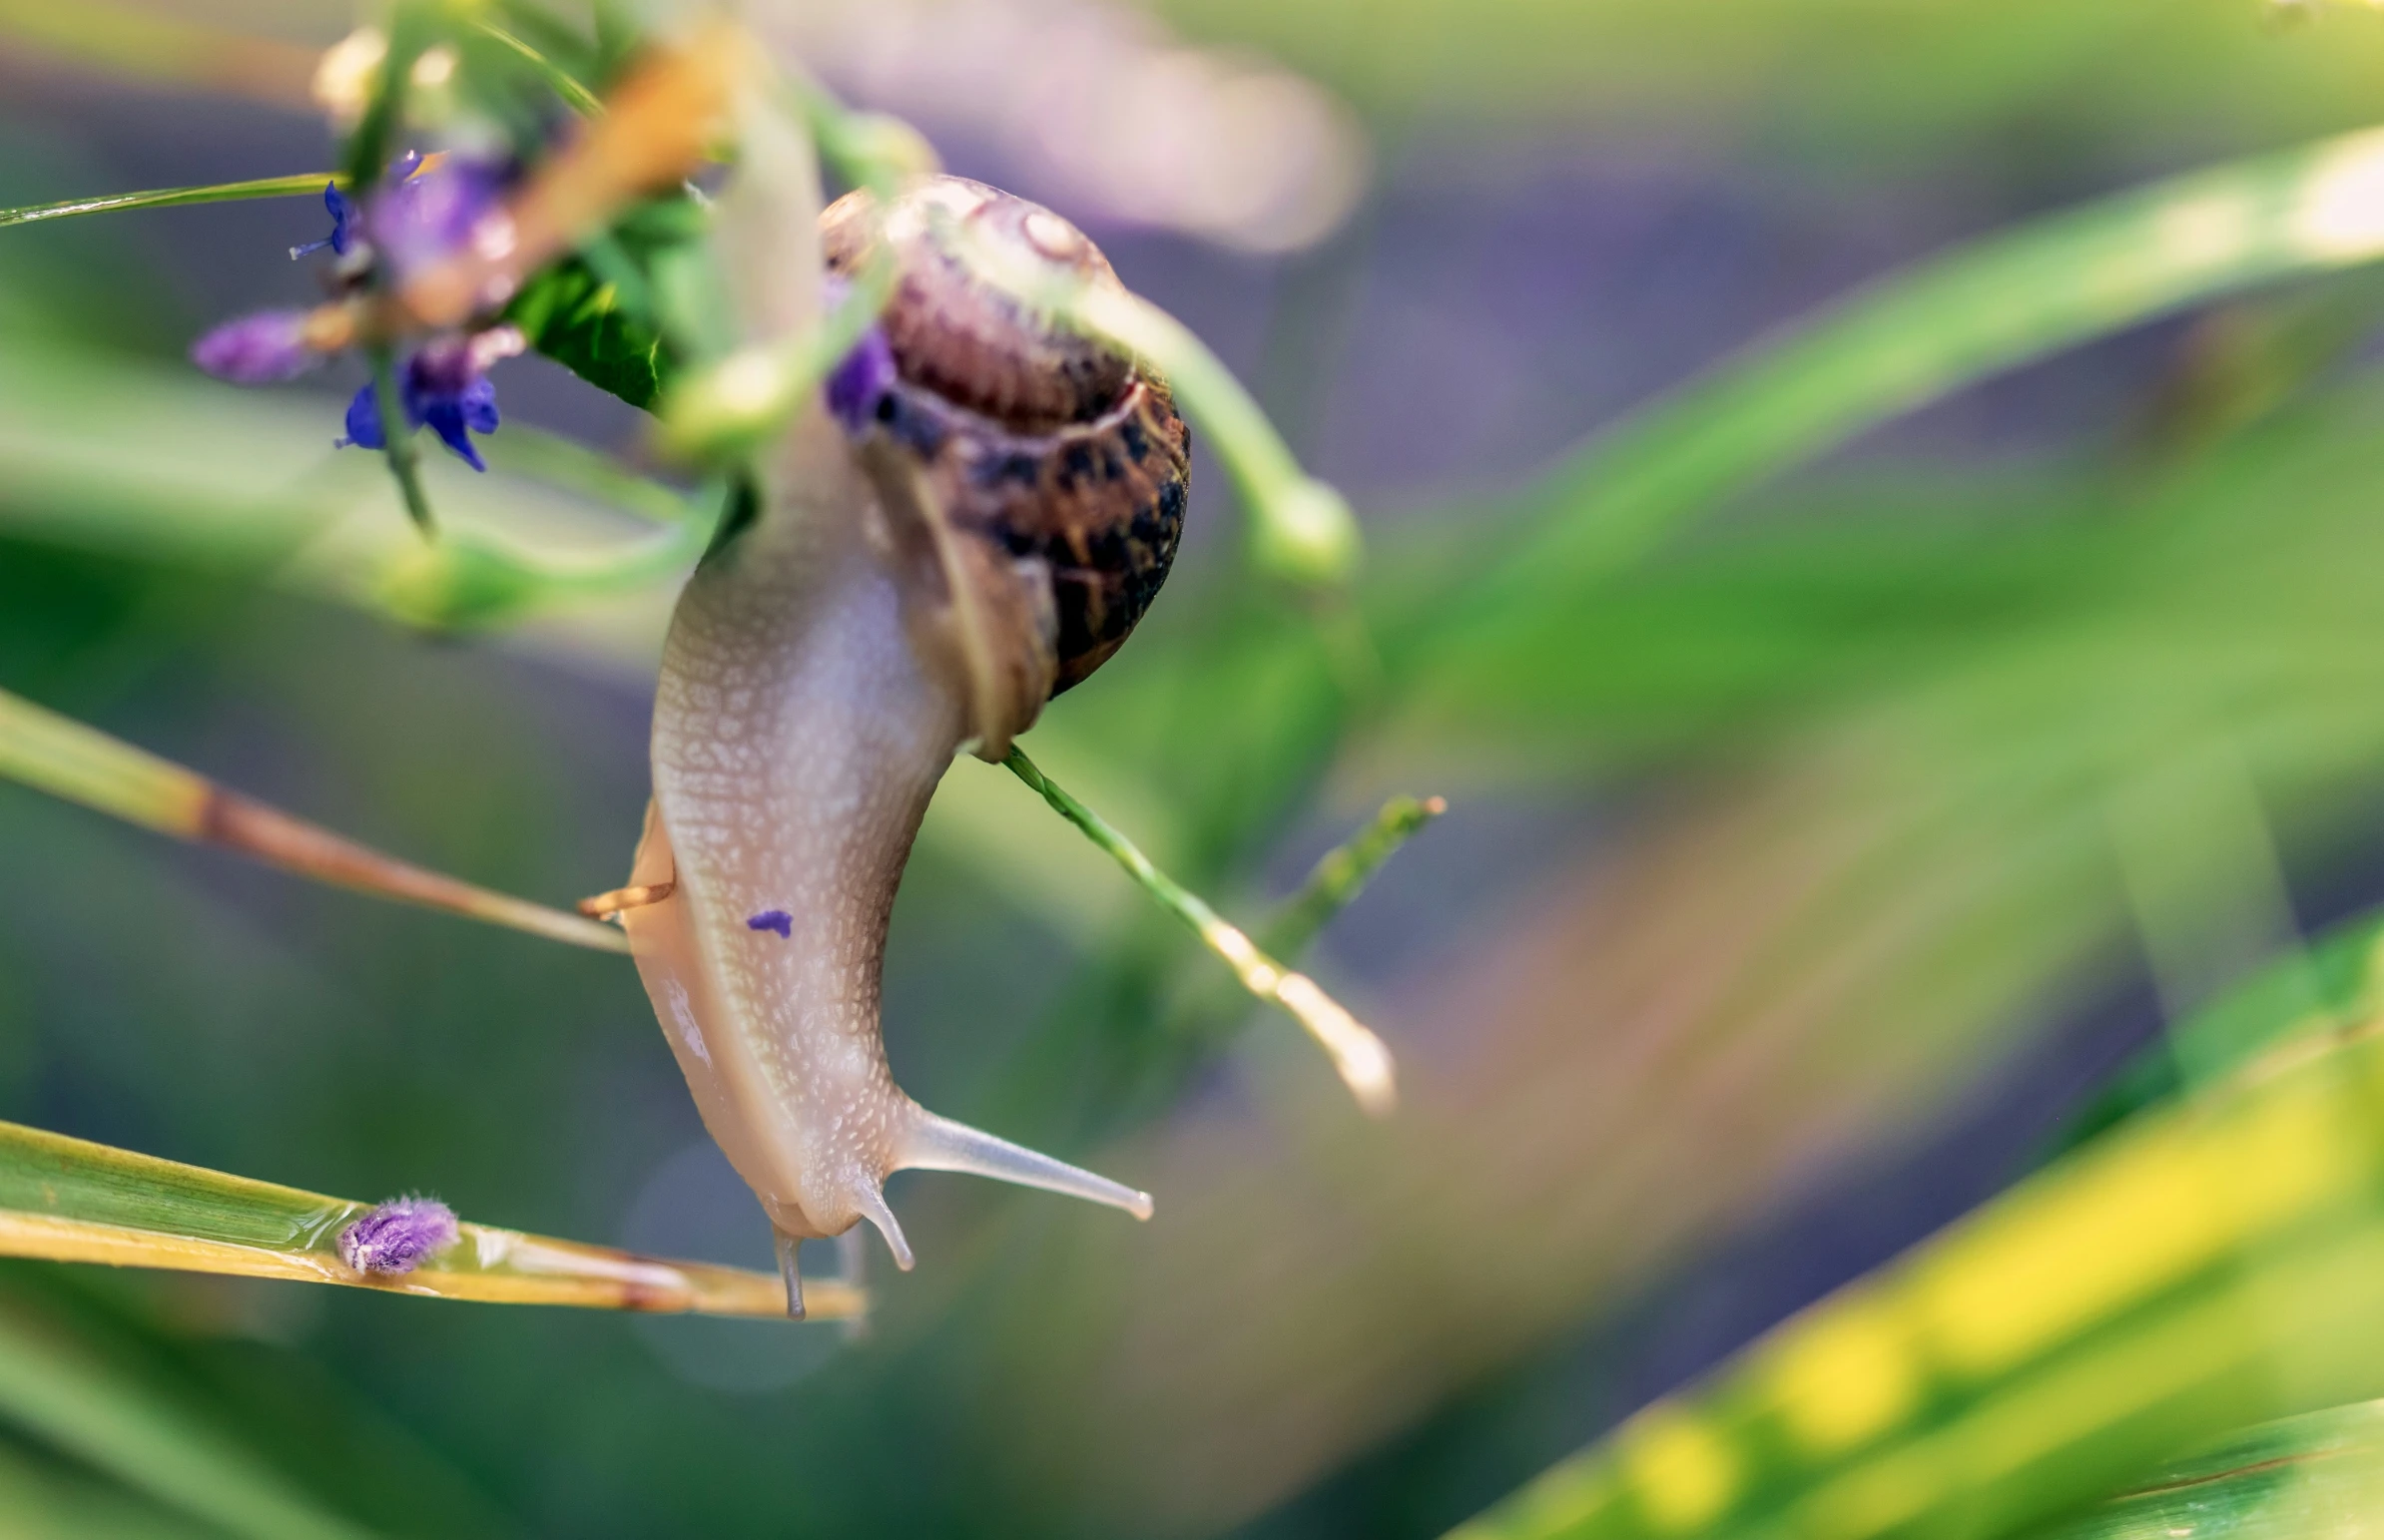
point(479, 405)
point(342, 234)
point(363, 421)
point(438, 389)
point(444, 417)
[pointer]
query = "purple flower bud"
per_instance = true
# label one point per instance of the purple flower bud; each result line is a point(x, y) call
point(398, 1235)
point(773, 920)
point(258, 349)
point(860, 381)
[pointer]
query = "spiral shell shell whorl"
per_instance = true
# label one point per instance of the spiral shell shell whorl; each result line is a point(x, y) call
point(1053, 467)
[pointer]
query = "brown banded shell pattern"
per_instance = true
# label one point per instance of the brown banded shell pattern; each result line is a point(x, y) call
point(1048, 445)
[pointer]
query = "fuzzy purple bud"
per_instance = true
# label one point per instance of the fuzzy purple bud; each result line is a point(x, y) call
point(773, 920)
point(259, 349)
point(398, 1235)
point(861, 380)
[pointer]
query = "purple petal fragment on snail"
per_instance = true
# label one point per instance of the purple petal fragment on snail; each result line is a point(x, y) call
point(260, 349)
point(774, 919)
point(398, 1235)
point(861, 381)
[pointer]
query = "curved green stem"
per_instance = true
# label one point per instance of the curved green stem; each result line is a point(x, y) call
point(174, 198)
point(559, 80)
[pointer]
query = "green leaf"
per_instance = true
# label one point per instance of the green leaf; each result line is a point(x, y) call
point(2213, 1264)
point(68, 1199)
point(618, 312)
point(2273, 1012)
point(2314, 1477)
point(581, 322)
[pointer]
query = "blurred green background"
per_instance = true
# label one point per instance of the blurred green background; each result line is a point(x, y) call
point(1809, 871)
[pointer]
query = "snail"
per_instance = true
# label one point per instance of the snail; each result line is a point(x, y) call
point(977, 523)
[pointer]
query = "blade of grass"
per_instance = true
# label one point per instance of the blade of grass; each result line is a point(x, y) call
point(146, 1441)
point(44, 1502)
point(68, 1199)
point(1906, 339)
point(1358, 1056)
point(573, 466)
point(83, 765)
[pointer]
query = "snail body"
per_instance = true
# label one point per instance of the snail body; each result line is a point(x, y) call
point(976, 524)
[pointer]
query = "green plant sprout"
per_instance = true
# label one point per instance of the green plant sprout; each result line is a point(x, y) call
point(1342, 872)
point(1358, 1056)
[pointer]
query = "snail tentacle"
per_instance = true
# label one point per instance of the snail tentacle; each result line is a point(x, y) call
point(940, 1144)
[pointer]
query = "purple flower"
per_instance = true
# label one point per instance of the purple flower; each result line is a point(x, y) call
point(418, 221)
point(408, 221)
point(398, 1235)
point(773, 920)
point(259, 349)
point(446, 388)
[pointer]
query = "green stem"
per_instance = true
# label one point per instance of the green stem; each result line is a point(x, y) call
point(174, 198)
point(398, 443)
point(369, 147)
point(1361, 1061)
point(722, 412)
point(1300, 530)
point(70, 760)
point(591, 473)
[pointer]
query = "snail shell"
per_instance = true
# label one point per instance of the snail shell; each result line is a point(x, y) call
point(981, 521)
point(1048, 446)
